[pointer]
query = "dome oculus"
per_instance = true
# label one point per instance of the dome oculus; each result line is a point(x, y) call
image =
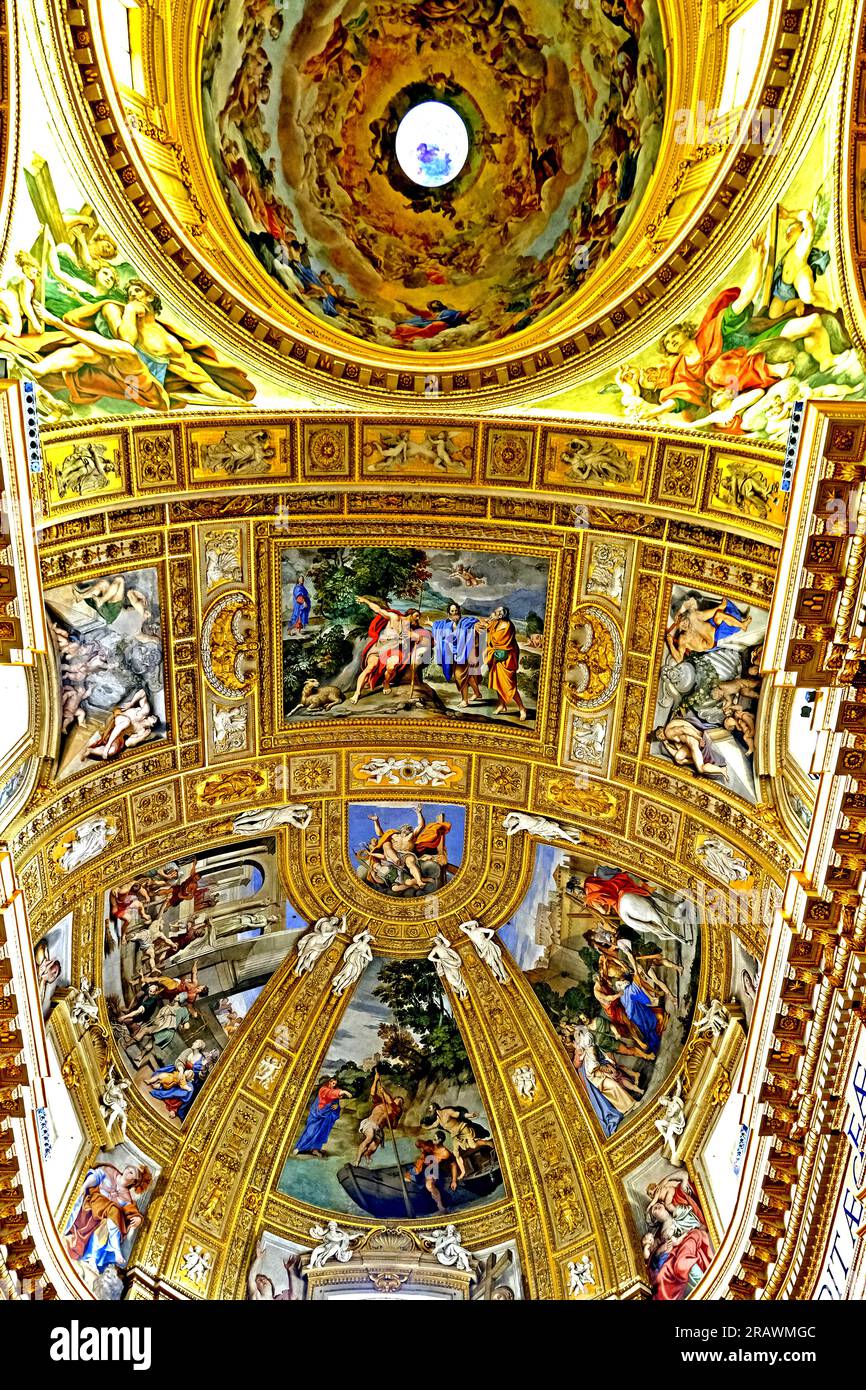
point(432, 144)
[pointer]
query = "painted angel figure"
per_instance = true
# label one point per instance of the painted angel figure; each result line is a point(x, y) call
point(487, 949)
point(84, 1008)
point(712, 1018)
point(445, 1245)
point(314, 943)
point(334, 1244)
point(113, 1102)
point(356, 958)
point(539, 826)
point(673, 1121)
point(448, 965)
point(580, 1275)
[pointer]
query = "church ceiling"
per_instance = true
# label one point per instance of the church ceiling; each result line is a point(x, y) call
point(254, 305)
point(437, 664)
point(276, 726)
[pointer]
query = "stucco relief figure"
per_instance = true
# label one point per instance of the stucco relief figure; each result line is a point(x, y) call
point(580, 1276)
point(446, 1245)
point(254, 822)
point(673, 1121)
point(588, 738)
point(448, 965)
point(486, 948)
point(113, 1102)
point(239, 452)
point(222, 558)
point(418, 772)
point(525, 1082)
point(540, 828)
point(88, 468)
point(88, 840)
point(229, 728)
point(722, 861)
point(713, 1018)
point(334, 1244)
point(314, 943)
point(356, 958)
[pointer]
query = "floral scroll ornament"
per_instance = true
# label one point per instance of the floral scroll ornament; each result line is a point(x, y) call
point(593, 656)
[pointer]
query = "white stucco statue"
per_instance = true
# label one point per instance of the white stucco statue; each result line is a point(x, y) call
point(673, 1121)
point(334, 1244)
point(580, 1275)
point(487, 948)
point(540, 827)
point(356, 958)
point(83, 1006)
point(314, 943)
point(113, 1102)
point(448, 964)
point(254, 822)
point(445, 1245)
point(712, 1018)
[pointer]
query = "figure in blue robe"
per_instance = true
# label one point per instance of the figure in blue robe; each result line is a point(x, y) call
point(638, 1008)
point(321, 1118)
point(608, 1115)
point(456, 650)
point(301, 611)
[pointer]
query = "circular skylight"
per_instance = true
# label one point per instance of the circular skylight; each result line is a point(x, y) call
point(432, 144)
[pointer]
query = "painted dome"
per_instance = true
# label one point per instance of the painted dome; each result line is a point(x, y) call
point(433, 175)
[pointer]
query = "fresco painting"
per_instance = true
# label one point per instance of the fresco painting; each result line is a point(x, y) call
point(106, 1216)
point(395, 1126)
point(707, 708)
point(80, 321)
point(53, 955)
point(189, 948)
point(677, 1245)
point(108, 638)
point(406, 851)
point(302, 106)
point(410, 632)
point(769, 334)
point(613, 961)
